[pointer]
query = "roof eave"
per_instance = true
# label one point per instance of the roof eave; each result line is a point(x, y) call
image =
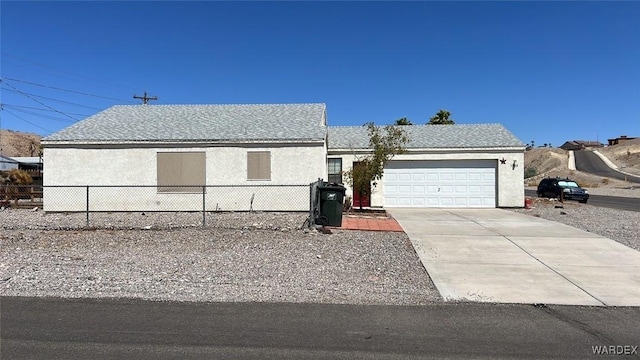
point(436, 150)
point(165, 143)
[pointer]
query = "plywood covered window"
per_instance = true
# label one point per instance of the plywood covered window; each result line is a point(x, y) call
point(177, 169)
point(259, 165)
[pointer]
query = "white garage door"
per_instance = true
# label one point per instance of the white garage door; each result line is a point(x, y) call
point(459, 183)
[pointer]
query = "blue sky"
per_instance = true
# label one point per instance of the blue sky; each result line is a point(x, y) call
point(548, 71)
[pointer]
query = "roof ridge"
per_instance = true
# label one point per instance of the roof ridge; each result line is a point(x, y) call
point(228, 104)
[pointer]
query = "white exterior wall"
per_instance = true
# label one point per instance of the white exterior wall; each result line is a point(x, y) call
point(510, 188)
point(290, 165)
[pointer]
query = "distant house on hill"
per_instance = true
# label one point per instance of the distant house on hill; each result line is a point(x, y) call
point(620, 139)
point(581, 144)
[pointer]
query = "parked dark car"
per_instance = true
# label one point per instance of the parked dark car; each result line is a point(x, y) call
point(567, 188)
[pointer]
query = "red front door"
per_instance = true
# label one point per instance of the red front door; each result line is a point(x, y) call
point(357, 201)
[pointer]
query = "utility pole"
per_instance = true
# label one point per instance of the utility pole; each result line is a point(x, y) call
point(145, 99)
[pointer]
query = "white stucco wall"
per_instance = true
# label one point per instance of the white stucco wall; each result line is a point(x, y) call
point(290, 165)
point(510, 188)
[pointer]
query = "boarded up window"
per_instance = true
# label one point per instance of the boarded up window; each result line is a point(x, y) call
point(259, 165)
point(177, 169)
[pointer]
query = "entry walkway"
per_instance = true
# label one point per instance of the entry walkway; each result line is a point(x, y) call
point(495, 255)
point(370, 223)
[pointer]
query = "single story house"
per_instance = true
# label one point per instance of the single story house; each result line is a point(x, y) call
point(580, 144)
point(230, 156)
point(619, 140)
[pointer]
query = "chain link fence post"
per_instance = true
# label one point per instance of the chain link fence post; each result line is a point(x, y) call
point(87, 206)
point(204, 212)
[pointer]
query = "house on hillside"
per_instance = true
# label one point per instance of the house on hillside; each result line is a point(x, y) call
point(269, 154)
point(619, 140)
point(581, 144)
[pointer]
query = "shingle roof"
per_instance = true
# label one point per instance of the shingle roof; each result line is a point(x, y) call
point(430, 136)
point(253, 122)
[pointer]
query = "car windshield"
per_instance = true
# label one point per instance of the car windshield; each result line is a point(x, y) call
point(568, 184)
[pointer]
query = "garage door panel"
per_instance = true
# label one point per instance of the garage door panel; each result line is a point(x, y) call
point(460, 176)
point(446, 201)
point(461, 201)
point(475, 176)
point(464, 183)
point(446, 189)
point(391, 189)
point(446, 176)
point(461, 189)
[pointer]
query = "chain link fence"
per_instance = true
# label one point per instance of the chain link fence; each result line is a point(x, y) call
point(192, 203)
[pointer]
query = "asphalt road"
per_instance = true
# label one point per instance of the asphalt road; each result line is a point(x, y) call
point(613, 202)
point(48, 328)
point(589, 162)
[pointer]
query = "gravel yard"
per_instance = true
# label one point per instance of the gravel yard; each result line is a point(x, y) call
point(263, 257)
point(619, 225)
point(243, 257)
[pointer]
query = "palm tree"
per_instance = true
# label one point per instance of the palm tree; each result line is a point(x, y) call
point(403, 121)
point(441, 118)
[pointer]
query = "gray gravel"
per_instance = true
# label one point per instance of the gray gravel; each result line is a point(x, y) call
point(619, 225)
point(240, 257)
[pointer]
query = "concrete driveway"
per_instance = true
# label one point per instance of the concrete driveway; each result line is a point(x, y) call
point(495, 255)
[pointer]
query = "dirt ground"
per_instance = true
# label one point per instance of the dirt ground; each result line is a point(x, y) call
point(625, 155)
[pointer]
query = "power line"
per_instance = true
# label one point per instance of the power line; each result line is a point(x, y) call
point(95, 81)
point(39, 115)
point(70, 91)
point(27, 121)
point(48, 98)
point(39, 109)
point(39, 102)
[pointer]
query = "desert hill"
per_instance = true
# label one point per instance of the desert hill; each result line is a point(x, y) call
point(552, 162)
point(16, 143)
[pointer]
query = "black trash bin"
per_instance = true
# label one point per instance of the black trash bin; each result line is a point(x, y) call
point(331, 197)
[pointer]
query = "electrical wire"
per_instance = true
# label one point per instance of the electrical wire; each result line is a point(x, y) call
point(39, 109)
point(48, 98)
point(70, 91)
point(39, 102)
point(52, 69)
point(40, 115)
point(27, 121)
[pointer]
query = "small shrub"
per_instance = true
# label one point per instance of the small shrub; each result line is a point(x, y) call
point(605, 181)
point(530, 172)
